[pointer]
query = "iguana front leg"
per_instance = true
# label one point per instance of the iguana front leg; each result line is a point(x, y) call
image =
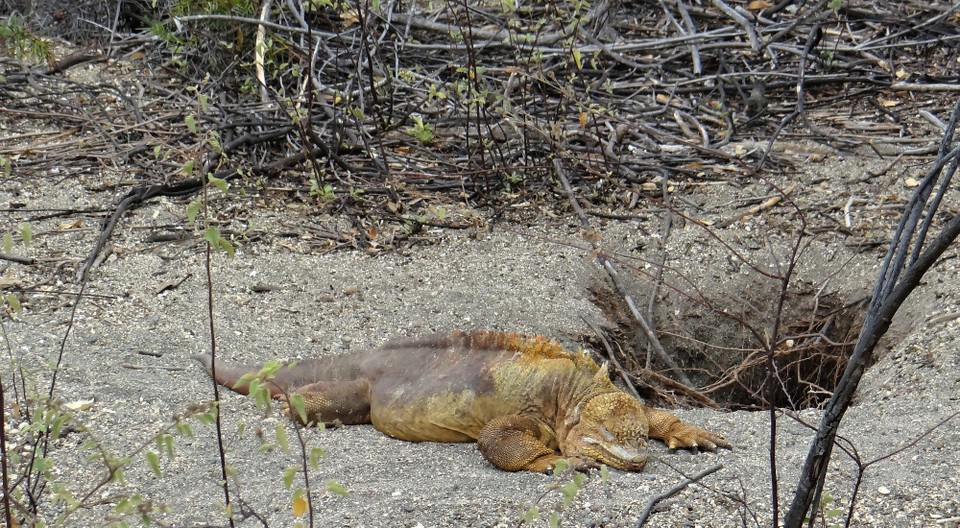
point(327, 402)
point(516, 443)
point(673, 432)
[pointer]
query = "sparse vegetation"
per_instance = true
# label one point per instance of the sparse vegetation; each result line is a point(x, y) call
point(22, 44)
point(397, 119)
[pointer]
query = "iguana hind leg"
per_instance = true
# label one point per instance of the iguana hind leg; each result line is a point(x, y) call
point(672, 431)
point(516, 443)
point(346, 402)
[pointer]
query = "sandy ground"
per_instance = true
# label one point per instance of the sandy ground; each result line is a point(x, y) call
point(130, 345)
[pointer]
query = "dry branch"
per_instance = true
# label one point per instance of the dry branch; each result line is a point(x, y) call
point(652, 503)
point(611, 271)
point(898, 277)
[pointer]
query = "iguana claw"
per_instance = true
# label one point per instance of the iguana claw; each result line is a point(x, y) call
point(688, 436)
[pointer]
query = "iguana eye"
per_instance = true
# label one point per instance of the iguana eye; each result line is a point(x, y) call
point(607, 435)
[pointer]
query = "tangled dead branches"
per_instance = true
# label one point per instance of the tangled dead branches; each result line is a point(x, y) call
point(389, 103)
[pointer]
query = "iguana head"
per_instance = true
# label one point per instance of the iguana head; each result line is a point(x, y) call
point(612, 429)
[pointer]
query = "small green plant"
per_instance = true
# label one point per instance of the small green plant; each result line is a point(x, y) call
point(568, 489)
point(420, 130)
point(513, 180)
point(51, 419)
point(829, 512)
point(21, 43)
point(439, 212)
point(356, 194)
point(221, 7)
point(26, 234)
point(436, 93)
point(828, 57)
point(323, 192)
point(295, 406)
point(212, 235)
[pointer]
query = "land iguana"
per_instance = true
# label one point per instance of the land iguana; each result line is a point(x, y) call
point(522, 399)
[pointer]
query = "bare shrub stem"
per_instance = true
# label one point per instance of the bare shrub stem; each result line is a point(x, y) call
point(896, 280)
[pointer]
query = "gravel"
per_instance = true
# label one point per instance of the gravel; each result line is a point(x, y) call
point(129, 351)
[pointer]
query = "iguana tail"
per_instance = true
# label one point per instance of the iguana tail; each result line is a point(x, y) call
point(230, 372)
point(288, 378)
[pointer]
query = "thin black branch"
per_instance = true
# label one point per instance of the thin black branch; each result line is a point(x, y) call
point(891, 290)
point(652, 503)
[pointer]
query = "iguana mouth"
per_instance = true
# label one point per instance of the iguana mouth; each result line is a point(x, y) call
point(616, 456)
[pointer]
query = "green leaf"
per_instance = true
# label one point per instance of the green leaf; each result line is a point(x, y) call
point(124, 506)
point(554, 520)
point(168, 445)
point(580, 479)
point(214, 141)
point(288, 475)
point(314, 458)
point(569, 491)
point(212, 235)
point(299, 406)
point(26, 232)
point(826, 498)
point(5, 166)
point(64, 494)
point(219, 182)
point(335, 487)
point(207, 418)
point(280, 433)
point(261, 395)
point(270, 369)
point(187, 168)
point(227, 247)
point(560, 466)
point(7, 242)
point(530, 515)
point(184, 428)
point(40, 465)
point(604, 473)
point(191, 124)
point(154, 462)
point(14, 303)
point(248, 379)
point(193, 210)
point(578, 59)
point(57, 426)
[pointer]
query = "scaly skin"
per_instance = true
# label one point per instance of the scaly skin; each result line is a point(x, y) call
point(526, 401)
